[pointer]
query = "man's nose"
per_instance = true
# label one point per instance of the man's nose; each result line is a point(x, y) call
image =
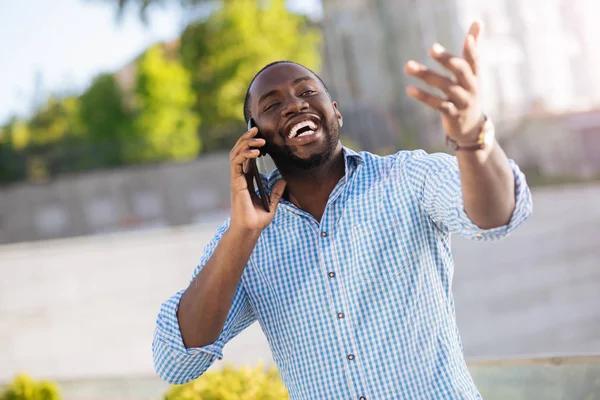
point(294, 105)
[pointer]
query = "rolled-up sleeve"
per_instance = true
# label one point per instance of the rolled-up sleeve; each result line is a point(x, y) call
point(435, 179)
point(177, 364)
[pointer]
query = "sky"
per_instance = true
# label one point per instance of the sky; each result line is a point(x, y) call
point(58, 46)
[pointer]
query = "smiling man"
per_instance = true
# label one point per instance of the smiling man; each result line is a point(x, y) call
point(350, 272)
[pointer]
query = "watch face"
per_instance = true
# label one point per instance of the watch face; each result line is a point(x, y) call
point(489, 134)
point(488, 139)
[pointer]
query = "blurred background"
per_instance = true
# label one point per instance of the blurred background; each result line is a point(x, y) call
point(116, 119)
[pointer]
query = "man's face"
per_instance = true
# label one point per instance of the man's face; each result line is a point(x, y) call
point(295, 116)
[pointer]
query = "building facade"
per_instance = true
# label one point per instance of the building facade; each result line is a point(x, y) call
point(536, 56)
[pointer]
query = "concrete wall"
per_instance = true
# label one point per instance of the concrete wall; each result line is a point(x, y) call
point(85, 307)
point(126, 199)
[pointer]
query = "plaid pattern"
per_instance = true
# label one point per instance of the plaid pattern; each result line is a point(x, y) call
point(360, 304)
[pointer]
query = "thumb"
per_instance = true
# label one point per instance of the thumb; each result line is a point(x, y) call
point(276, 193)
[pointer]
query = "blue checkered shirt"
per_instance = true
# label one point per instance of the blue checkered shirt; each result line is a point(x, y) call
point(357, 306)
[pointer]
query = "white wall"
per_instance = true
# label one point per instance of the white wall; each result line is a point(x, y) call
point(86, 307)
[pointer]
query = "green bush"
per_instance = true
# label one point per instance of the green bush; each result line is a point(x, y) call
point(232, 384)
point(25, 388)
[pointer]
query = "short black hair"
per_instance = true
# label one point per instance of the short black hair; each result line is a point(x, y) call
point(247, 98)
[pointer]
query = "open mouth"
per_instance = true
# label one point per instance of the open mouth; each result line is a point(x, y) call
point(303, 128)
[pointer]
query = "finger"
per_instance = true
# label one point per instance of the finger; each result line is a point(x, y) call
point(247, 135)
point(459, 67)
point(276, 194)
point(455, 93)
point(476, 30)
point(470, 54)
point(470, 46)
point(459, 97)
point(433, 101)
point(428, 76)
point(238, 146)
point(238, 161)
point(246, 144)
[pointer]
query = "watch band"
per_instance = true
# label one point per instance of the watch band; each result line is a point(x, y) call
point(484, 138)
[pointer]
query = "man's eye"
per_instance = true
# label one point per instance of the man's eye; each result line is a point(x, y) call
point(309, 92)
point(271, 106)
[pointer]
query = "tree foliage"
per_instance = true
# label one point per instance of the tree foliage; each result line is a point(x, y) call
point(224, 52)
point(232, 384)
point(57, 120)
point(165, 126)
point(106, 119)
point(176, 100)
point(25, 388)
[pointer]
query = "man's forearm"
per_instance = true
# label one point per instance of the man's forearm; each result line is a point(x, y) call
point(205, 304)
point(488, 186)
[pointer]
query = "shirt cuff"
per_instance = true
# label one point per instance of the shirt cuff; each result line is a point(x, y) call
point(523, 210)
point(167, 330)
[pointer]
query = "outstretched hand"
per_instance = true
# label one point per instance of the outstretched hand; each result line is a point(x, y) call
point(461, 113)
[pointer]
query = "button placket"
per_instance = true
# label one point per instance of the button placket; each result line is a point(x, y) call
point(335, 295)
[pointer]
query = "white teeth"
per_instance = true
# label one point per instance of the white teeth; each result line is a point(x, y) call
point(310, 124)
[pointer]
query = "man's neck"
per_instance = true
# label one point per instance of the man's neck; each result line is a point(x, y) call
point(310, 190)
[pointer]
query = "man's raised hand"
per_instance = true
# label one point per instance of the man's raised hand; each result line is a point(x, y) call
point(461, 113)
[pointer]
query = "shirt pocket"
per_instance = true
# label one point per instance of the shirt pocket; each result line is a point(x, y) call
point(380, 251)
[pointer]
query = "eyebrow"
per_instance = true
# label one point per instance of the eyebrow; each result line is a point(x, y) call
point(295, 82)
point(264, 96)
point(301, 79)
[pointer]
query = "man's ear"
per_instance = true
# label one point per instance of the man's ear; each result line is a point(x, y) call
point(338, 114)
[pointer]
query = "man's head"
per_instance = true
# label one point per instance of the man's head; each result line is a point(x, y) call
point(294, 113)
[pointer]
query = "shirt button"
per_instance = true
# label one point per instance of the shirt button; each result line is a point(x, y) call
point(340, 315)
point(323, 234)
point(350, 357)
point(331, 274)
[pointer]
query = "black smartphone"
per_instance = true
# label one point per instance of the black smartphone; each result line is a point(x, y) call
point(262, 190)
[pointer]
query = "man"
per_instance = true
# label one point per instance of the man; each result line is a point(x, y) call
point(349, 273)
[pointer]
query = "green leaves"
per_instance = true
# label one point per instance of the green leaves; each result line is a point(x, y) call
point(165, 126)
point(175, 101)
point(232, 384)
point(224, 52)
point(25, 388)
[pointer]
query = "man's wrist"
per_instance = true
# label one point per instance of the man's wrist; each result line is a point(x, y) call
point(243, 233)
point(483, 137)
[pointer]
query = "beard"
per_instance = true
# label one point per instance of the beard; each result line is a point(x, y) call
point(286, 161)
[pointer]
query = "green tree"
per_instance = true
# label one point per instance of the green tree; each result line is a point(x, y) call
point(55, 121)
point(106, 120)
point(165, 126)
point(44, 142)
point(14, 137)
point(224, 52)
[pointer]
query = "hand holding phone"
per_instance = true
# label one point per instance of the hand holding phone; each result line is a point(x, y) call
point(249, 206)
